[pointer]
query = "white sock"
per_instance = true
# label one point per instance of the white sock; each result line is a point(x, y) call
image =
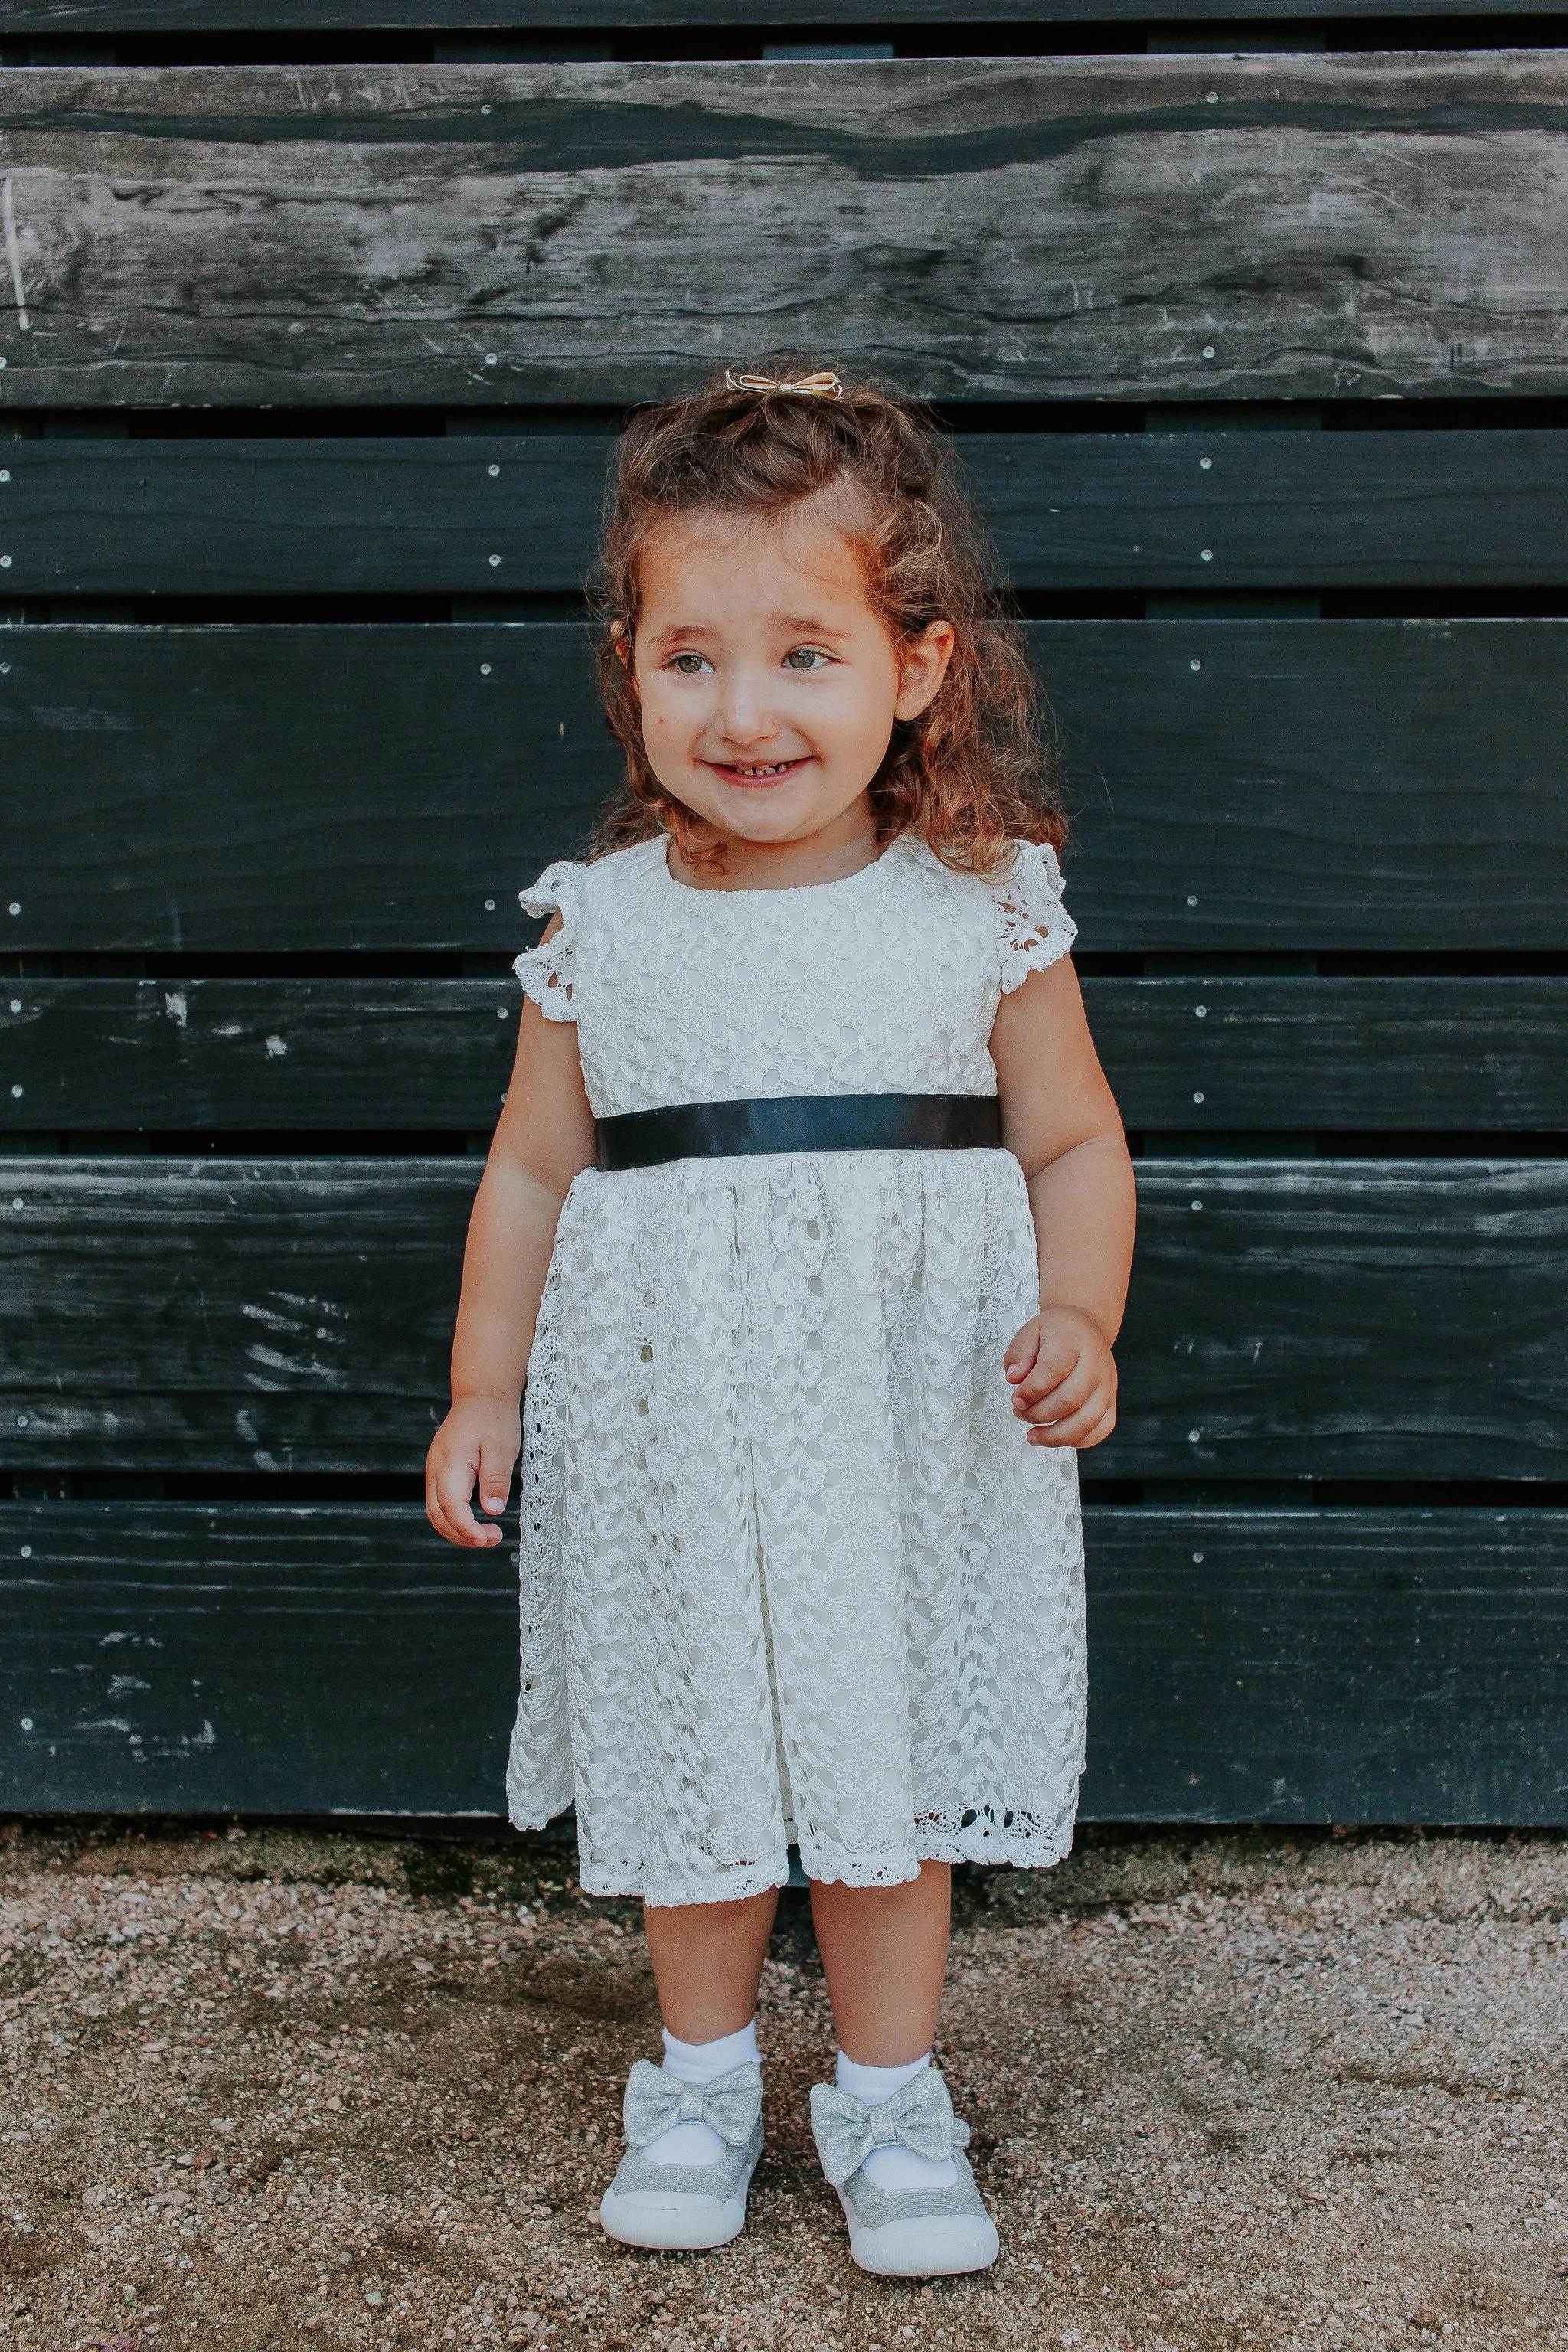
point(700, 2062)
point(893, 2168)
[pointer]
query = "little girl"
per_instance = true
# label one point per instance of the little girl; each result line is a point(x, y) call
point(809, 1219)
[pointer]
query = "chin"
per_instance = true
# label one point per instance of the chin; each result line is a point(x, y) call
point(763, 812)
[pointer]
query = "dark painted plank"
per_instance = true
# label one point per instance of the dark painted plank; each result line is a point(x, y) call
point(269, 1314)
point(263, 789)
point(1308, 1320)
point(201, 18)
point(1141, 511)
point(1270, 1665)
point(214, 1657)
point(1136, 228)
point(1349, 1319)
point(1274, 785)
point(1441, 1053)
point(98, 1056)
point(1327, 1665)
point(279, 518)
point(1173, 510)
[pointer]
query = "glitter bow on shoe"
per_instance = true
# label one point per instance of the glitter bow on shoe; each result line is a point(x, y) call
point(918, 2116)
point(656, 2103)
point(823, 386)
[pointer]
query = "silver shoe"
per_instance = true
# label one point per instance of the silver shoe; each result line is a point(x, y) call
point(904, 2232)
point(685, 2206)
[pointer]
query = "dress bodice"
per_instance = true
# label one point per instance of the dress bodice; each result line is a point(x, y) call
point(884, 982)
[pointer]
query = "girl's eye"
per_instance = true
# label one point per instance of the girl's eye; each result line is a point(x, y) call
point(805, 657)
point(690, 665)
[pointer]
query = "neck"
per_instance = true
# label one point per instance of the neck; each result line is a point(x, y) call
point(829, 855)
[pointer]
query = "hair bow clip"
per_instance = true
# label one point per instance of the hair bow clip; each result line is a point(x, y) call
point(823, 386)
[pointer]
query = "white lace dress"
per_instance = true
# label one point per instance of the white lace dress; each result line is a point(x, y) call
point(790, 1571)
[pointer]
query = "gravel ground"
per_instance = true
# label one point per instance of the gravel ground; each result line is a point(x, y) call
point(271, 2089)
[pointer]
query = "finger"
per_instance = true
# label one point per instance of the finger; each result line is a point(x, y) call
point(454, 1486)
point(1063, 1436)
point(1022, 1350)
point(437, 1476)
point(495, 1473)
point(1076, 1374)
point(433, 1511)
point(441, 1524)
point(1071, 1397)
point(1073, 1427)
point(1102, 1431)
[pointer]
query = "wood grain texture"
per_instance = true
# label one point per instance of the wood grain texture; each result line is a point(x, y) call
point(266, 1658)
point(270, 1315)
point(1435, 1053)
point(201, 18)
point(1268, 785)
point(102, 1056)
point(1129, 227)
point(1326, 1666)
point(1151, 511)
point(1346, 1319)
point(1310, 1319)
point(1270, 1665)
point(459, 517)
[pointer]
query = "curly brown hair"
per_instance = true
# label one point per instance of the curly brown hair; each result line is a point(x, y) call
point(976, 770)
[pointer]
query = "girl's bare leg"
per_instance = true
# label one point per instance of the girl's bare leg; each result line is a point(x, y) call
point(885, 1952)
point(707, 1960)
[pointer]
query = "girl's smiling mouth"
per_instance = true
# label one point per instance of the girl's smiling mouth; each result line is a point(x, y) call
point(756, 772)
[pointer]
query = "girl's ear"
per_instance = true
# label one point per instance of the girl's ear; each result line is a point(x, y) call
point(922, 665)
point(622, 640)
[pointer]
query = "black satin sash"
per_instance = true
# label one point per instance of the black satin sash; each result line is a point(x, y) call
point(730, 1130)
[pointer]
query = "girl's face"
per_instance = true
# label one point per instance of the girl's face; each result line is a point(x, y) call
point(769, 686)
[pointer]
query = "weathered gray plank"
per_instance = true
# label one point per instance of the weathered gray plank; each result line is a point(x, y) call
point(1310, 1319)
point(1159, 511)
point(201, 18)
point(1237, 784)
point(1270, 1665)
point(1136, 228)
point(102, 1056)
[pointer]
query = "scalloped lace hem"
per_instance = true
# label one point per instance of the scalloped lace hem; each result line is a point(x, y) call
point(976, 1844)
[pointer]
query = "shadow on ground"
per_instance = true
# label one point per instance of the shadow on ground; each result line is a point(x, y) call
point(270, 2087)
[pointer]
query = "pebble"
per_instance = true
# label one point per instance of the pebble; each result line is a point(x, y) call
point(281, 2088)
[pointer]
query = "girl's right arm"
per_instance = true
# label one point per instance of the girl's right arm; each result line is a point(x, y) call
point(544, 1139)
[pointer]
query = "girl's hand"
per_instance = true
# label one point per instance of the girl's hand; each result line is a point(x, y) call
point(1064, 1379)
point(478, 1443)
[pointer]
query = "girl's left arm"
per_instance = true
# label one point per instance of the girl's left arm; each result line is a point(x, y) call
point(1059, 1118)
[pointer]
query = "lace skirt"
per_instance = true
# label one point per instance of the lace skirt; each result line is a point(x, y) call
point(790, 1573)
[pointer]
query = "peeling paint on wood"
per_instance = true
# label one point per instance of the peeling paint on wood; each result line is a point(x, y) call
point(1289, 1319)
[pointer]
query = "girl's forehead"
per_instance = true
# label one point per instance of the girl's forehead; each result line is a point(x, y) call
point(719, 552)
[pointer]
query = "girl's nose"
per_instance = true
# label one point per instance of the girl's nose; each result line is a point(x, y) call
point(744, 716)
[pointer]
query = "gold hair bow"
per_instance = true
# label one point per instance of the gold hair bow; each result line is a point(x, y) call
point(823, 386)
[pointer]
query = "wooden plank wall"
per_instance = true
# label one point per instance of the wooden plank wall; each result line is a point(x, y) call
point(317, 318)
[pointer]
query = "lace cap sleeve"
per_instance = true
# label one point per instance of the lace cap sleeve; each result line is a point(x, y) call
point(1033, 927)
point(546, 971)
